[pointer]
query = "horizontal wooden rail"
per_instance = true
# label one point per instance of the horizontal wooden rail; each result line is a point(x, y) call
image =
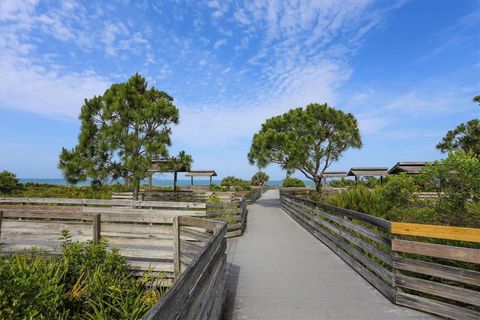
point(443, 279)
point(435, 231)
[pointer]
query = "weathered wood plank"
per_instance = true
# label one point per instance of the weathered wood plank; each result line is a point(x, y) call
point(434, 231)
point(437, 250)
point(381, 223)
point(350, 225)
point(436, 307)
point(96, 227)
point(380, 254)
point(380, 285)
point(107, 202)
point(438, 270)
point(207, 224)
point(176, 248)
point(175, 298)
point(438, 289)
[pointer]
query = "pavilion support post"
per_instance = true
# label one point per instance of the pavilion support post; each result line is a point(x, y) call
point(356, 181)
point(210, 180)
point(381, 179)
point(191, 180)
point(1, 218)
point(175, 181)
point(96, 227)
point(150, 181)
point(176, 248)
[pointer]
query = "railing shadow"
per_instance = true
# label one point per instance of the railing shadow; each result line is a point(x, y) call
point(232, 284)
point(269, 203)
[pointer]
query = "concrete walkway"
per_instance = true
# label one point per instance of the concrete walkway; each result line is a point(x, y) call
point(277, 270)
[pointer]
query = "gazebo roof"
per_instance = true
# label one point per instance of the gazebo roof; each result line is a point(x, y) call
point(334, 174)
point(407, 167)
point(162, 165)
point(201, 173)
point(368, 171)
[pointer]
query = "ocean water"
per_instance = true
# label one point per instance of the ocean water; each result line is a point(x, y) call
point(155, 182)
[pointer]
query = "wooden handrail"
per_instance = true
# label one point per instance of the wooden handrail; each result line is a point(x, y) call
point(435, 231)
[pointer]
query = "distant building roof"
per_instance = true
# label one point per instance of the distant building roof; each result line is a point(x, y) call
point(165, 165)
point(334, 174)
point(368, 171)
point(407, 167)
point(201, 173)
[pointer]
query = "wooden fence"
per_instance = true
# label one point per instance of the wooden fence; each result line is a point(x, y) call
point(141, 230)
point(199, 289)
point(436, 278)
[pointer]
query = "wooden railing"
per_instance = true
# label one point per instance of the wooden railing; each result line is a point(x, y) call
point(141, 230)
point(436, 278)
point(359, 239)
point(234, 213)
point(199, 289)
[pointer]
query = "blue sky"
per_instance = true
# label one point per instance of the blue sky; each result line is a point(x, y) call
point(406, 69)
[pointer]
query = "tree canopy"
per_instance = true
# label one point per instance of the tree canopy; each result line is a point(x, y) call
point(259, 178)
point(121, 132)
point(308, 140)
point(465, 137)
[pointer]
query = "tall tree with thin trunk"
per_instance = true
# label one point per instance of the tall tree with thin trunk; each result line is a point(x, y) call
point(465, 137)
point(121, 131)
point(308, 140)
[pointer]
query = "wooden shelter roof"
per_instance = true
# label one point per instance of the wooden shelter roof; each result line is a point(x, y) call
point(162, 165)
point(201, 173)
point(368, 171)
point(407, 167)
point(334, 174)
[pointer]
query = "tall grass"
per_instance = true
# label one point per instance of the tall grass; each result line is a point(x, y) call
point(86, 282)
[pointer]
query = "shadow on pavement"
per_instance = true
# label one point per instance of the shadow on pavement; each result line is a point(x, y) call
point(232, 284)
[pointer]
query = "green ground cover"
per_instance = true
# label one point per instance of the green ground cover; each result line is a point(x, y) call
point(86, 281)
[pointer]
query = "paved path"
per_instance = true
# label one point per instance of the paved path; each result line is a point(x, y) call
point(277, 270)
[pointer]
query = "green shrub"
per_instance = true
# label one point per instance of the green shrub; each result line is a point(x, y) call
point(8, 182)
point(259, 178)
point(399, 190)
point(341, 183)
point(361, 199)
point(293, 183)
point(456, 179)
point(235, 183)
point(86, 282)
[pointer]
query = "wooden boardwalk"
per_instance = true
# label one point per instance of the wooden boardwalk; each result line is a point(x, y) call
point(277, 270)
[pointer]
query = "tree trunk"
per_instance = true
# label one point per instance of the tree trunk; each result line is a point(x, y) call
point(318, 183)
point(136, 189)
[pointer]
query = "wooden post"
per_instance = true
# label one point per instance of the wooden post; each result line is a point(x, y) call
point(1, 218)
point(175, 181)
point(210, 180)
point(191, 180)
point(96, 227)
point(176, 249)
point(150, 181)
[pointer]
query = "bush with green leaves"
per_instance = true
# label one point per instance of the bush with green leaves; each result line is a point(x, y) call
point(456, 180)
point(290, 182)
point(259, 178)
point(341, 183)
point(399, 190)
point(86, 282)
point(8, 182)
point(236, 184)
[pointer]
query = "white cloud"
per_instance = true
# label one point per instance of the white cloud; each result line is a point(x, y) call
point(219, 43)
point(32, 88)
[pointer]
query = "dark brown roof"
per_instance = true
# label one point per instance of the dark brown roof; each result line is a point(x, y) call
point(368, 171)
point(334, 174)
point(407, 167)
point(201, 173)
